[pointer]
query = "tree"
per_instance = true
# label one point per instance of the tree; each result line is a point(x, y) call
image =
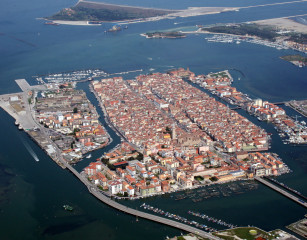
point(76, 130)
point(140, 156)
point(72, 145)
point(75, 110)
point(213, 179)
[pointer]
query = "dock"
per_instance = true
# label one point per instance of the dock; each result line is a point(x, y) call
point(281, 191)
point(25, 86)
point(282, 185)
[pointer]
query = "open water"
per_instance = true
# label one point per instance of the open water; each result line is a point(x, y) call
point(32, 193)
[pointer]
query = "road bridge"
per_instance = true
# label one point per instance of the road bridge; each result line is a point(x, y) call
point(281, 191)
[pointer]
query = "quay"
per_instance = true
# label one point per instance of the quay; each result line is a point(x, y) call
point(281, 191)
point(25, 86)
point(137, 213)
point(276, 103)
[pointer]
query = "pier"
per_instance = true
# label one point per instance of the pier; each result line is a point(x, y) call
point(282, 185)
point(25, 87)
point(281, 191)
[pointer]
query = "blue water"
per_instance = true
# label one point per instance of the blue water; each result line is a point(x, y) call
point(32, 193)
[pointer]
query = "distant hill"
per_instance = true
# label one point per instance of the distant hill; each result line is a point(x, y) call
point(94, 11)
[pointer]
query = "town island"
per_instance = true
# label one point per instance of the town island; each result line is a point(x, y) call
point(174, 137)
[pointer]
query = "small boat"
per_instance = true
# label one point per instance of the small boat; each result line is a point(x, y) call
point(68, 208)
point(89, 156)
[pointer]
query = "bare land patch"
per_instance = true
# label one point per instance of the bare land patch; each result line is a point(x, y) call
point(284, 23)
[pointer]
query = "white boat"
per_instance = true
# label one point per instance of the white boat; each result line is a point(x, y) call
point(89, 156)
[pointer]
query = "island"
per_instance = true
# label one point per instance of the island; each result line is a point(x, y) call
point(297, 60)
point(174, 137)
point(265, 32)
point(244, 29)
point(95, 13)
point(164, 35)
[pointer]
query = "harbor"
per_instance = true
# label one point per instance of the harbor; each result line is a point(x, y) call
point(223, 38)
point(177, 217)
point(212, 219)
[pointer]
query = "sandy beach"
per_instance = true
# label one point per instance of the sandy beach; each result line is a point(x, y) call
point(77, 23)
point(284, 23)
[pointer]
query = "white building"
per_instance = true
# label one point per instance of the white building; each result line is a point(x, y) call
point(115, 186)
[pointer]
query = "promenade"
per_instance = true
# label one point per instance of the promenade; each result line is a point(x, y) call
point(93, 190)
point(283, 192)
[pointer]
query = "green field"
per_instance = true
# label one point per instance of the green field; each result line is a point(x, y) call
point(248, 233)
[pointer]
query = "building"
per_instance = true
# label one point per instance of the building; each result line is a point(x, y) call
point(115, 186)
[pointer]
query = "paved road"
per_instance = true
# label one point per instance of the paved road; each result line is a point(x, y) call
point(137, 213)
point(283, 192)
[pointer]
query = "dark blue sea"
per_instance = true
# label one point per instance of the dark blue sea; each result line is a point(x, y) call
point(32, 193)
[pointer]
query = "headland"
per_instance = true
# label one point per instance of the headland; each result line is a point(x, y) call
point(94, 13)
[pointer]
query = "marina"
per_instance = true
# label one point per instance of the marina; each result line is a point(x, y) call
point(212, 219)
point(78, 76)
point(220, 38)
point(177, 217)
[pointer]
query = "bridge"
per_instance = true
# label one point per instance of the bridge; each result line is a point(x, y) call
point(296, 193)
point(281, 191)
point(93, 190)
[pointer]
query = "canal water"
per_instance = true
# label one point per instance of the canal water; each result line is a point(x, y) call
point(32, 193)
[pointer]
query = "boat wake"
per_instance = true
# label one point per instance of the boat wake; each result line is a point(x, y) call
point(30, 150)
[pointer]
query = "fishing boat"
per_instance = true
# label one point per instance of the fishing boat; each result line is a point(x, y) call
point(68, 208)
